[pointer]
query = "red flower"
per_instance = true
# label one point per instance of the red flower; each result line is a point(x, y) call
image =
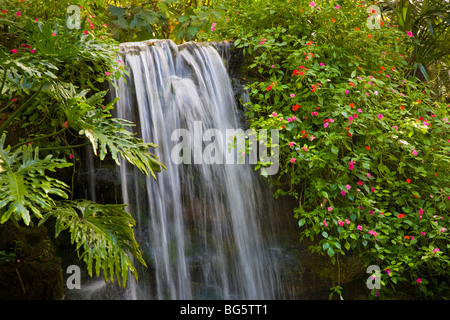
point(407, 237)
point(408, 180)
point(401, 215)
point(402, 107)
point(368, 147)
point(296, 107)
point(352, 105)
point(269, 88)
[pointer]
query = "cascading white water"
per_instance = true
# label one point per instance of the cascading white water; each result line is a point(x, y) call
point(203, 228)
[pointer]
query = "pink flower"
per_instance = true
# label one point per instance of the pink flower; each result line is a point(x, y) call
point(341, 223)
point(292, 95)
point(351, 165)
point(213, 26)
point(53, 34)
point(409, 34)
point(312, 4)
point(321, 64)
point(436, 250)
point(418, 280)
point(314, 113)
point(291, 144)
point(360, 111)
point(347, 92)
point(325, 124)
point(348, 187)
point(14, 99)
point(337, 7)
point(343, 193)
point(422, 233)
point(18, 14)
point(274, 114)
point(13, 50)
point(414, 151)
point(359, 227)
point(369, 175)
point(108, 73)
point(325, 223)
point(421, 211)
point(32, 51)
point(347, 221)
point(372, 189)
point(330, 208)
point(85, 32)
point(293, 160)
point(360, 183)
point(380, 116)
point(262, 41)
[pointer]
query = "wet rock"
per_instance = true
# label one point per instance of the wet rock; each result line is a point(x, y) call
point(29, 270)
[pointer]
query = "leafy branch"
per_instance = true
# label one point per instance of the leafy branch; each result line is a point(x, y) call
point(24, 186)
point(103, 235)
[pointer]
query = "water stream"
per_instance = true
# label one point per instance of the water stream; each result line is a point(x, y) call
point(205, 229)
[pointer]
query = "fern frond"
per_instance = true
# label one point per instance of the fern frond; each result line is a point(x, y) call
point(24, 186)
point(103, 235)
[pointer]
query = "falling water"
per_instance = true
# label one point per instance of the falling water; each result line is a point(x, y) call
point(204, 229)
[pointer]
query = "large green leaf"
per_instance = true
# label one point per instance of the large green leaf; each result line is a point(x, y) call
point(24, 185)
point(103, 235)
point(111, 134)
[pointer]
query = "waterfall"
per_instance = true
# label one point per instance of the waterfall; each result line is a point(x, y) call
point(204, 229)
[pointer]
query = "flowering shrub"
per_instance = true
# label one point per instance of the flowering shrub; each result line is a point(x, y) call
point(363, 149)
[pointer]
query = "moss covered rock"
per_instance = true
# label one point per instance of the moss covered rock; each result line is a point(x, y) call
point(28, 267)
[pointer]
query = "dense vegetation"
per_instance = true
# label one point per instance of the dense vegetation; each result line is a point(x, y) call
point(364, 146)
point(358, 97)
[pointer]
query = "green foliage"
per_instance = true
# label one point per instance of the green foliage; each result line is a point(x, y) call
point(24, 186)
point(363, 147)
point(429, 23)
point(51, 104)
point(106, 133)
point(103, 236)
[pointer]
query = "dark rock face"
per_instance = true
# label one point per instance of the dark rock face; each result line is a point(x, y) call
point(29, 270)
